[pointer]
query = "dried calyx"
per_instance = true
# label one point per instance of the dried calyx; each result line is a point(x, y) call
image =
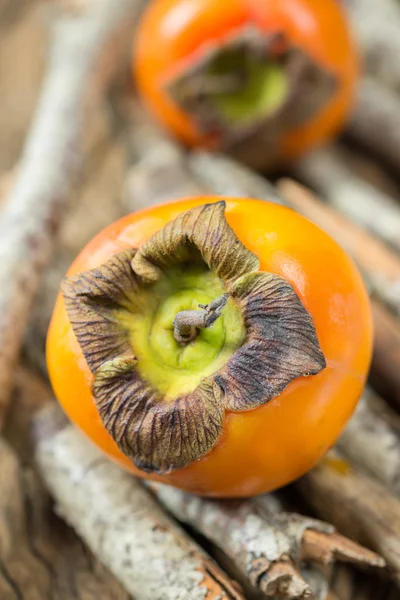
point(249, 89)
point(163, 399)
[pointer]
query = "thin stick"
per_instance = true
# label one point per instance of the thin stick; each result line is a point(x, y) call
point(376, 27)
point(386, 359)
point(326, 172)
point(379, 265)
point(266, 545)
point(152, 151)
point(39, 557)
point(376, 120)
point(357, 505)
point(371, 440)
point(121, 522)
point(51, 160)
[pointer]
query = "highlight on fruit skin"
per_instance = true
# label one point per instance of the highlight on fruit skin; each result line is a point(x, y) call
point(219, 345)
point(263, 81)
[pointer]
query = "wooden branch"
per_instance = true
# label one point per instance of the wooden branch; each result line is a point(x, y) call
point(51, 160)
point(313, 543)
point(376, 27)
point(257, 545)
point(385, 374)
point(221, 175)
point(327, 172)
point(39, 556)
point(376, 120)
point(153, 151)
point(162, 171)
point(265, 543)
point(357, 505)
point(380, 266)
point(121, 522)
point(371, 440)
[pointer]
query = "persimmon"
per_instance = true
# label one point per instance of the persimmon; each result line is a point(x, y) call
point(216, 345)
point(262, 80)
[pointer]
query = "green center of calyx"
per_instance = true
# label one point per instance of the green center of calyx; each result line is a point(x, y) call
point(170, 367)
point(245, 87)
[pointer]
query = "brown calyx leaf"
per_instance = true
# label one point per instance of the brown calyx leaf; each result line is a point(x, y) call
point(93, 300)
point(161, 434)
point(157, 435)
point(201, 232)
point(281, 343)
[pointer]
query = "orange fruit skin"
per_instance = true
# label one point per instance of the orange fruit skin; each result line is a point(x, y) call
point(173, 31)
point(268, 447)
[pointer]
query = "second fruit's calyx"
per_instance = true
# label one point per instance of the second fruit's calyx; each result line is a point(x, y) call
point(166, 369)
point(249, 89)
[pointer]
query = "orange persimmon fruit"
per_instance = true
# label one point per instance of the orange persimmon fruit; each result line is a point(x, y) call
point(262, 80)
point(242, 407)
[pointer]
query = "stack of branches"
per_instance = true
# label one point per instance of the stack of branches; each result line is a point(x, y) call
point(150, 542)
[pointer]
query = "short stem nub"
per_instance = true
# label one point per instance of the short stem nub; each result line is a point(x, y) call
point(188, 322)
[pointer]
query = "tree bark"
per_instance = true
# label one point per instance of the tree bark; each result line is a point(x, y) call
point(51, 160)
point(371, 441)
point(326, 172)
point(121, 523)
point(358, 506)
point(375, 26)
point(39, 556)
point(385, 374)
point(375, 122)
point(380, 266)
point(267, 544)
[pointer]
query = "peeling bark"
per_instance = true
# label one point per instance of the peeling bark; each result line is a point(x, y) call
point(265, 543)
point(122, 524)
point(259, 548)
point(51, 160)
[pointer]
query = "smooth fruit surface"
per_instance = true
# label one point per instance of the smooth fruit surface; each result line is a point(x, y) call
point(174, 32)
point(267, 447)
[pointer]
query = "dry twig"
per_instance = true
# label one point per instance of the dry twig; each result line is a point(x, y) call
point(326, 172)
point(39, 557)
point(357, 505)
point(267, 544)
point(386, 359)
point(152, 151)
point(376, 28)
point(376, 122)
point(121, 523)
point(50, 161)
point(380, 266)
point(371, 440)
